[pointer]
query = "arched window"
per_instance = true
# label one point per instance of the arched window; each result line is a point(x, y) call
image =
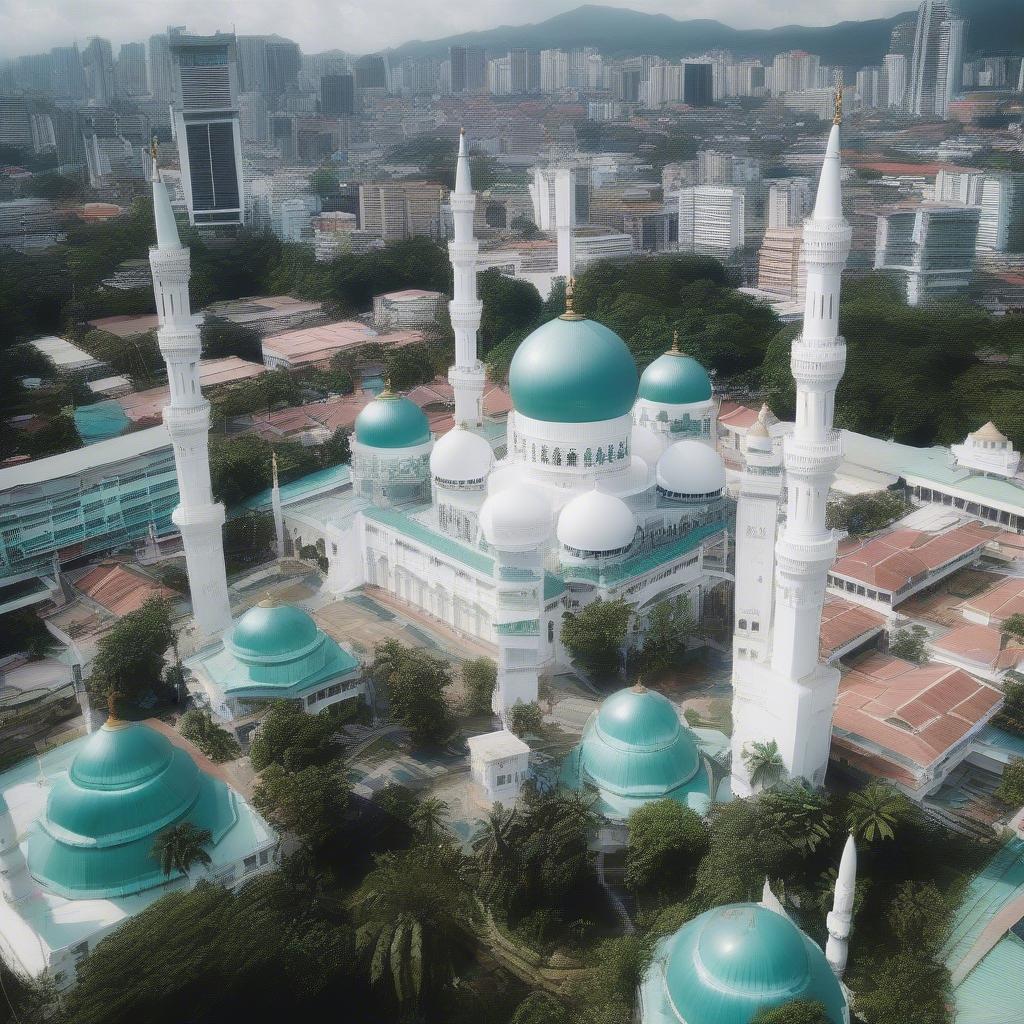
point(556, 456)
point(588, 458)
point(543, 453)
point(742, 624)
point(533, 453)
point(551, 632)
point(600, 456)
point(611, 453)
point(570, 459)
point(622, 449)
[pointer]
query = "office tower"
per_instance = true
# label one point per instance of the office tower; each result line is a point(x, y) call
point(519, 71)
point(98, 62)
point(554, 70)
point(187, 418)
point(744, 79)
point(468, 69)
point(780, 264)
point(253, 117)
point(371, 71)
point(400, 209)
point(251, 62)
point(698, 87)
point(283, 62)
point(789, 201)
point(952, 37)
point(999, 195)
point(579, 74)
point(499, 76)
point(206, 126)
point(894, 73)
point(901, 39)
point(928, 71)
point(68, 74)
point(711, 220)
point(931, 247)
point(794, 71)
point(15, 123)
point(868, 86)
point(161, 72)
point(34, 73)
point(337, 95)
point(713, 167)
point(664, 84)
point(131, 70)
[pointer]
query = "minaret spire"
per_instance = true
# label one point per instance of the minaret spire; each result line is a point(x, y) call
point(840, 920)
point(275, 502)
point(467, 375)
point(187, 418)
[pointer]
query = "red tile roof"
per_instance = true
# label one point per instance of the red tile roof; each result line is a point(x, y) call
point(842, 622)
point(981, 644)
point(119, 589)
point(1000, 602)
point(915, 712)
point(740, 417)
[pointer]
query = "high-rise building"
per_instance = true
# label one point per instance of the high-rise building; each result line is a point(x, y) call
point(894, 74)
point(161, 71)
point(524, 71)
point(468, 69)
point(499, 76)
point(34, 72)
point(267, 64)
point(780, 264)
point(400, 209)
point(207, 128)
point(794, 71)
point(901, 39)
point(253, 117)
point(131, 70)
point(1000, 196)
point(68, 73)
point(930, 247)
point(187, 418)
point(98, 62)
point(338, 95)
point(869, 88)
point(698, 84)
point(929, 71)
point(579, 72)
point(789, 201)
point(371, 71)
point(952, 39)
point(663, 85)
point(554, 70)
point(711, 220)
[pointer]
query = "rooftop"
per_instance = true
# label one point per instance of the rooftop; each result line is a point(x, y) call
point(843, 622)
point(998, 603)
point(981, 644)
point(128, 325)
point(120, 589)
point(62, 353)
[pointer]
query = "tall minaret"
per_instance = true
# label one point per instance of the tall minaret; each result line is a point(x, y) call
point(15, 882)
point(275, 504)
point(467, 375)
point(791, 701)
point(840, 920)
point(187, 419)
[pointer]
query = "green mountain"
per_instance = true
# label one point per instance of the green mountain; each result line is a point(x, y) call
point(996, 26)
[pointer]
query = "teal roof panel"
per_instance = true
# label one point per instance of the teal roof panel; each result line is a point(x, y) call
point(675, 379)
point(392, 421)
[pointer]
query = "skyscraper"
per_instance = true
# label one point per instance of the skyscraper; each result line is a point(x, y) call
point(337, 95)
point(131, 70)
point(952, 37)
point(68, 74)
point(468, 69)
point(894, 72)
point(98, 62)
point(160, 69)
point(698, 88)
point(206, 126)
point(937, 59)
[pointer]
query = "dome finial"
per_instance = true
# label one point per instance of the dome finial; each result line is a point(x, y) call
point(570, 310)
point(638, 686)
point(269, 601)
point(388, 392)
point(114, 721)
point(675, 350)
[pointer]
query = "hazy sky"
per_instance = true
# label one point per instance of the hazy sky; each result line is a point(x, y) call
point(31, 26)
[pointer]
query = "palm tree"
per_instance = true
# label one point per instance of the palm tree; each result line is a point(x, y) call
point(413, 910)
point(764, 763)
point(799, 815)
point(429, 819)
point(875, 812)
point(181, 846)
point(496, 849)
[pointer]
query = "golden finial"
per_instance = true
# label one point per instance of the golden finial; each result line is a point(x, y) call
point(570, 311)
point(153, 148)
point(675, 350)
point(638, 686)
point(388, 392)
point(114, 721)
point(838, 119)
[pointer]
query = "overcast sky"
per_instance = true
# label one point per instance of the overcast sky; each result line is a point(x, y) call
point(31, 26)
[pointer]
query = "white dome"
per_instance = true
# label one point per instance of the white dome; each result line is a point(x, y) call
point(516, 518)
point(461, 455)
point(647, 444)
point(690, 467)
point(596, 521)
point(758, 438)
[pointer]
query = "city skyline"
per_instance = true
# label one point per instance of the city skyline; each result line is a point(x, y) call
point(29, 26)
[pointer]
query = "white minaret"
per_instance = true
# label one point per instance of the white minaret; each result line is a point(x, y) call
point(790, 700)
point(15, 881)
point(275, 504)
point(187, 419)
point(840, 919)
point(467, 375)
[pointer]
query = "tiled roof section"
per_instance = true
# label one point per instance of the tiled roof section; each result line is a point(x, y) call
point(982, 644)
point(739, 417)
point(119, 589)
point(1000, 602)
point(913, 712)
point(147, 406)
point(893, 560)
point(842, 622)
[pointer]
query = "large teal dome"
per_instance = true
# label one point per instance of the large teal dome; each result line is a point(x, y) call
point(635, 749)
point(727, 964)
point(271, 631)
point(392, 421)
point(126, 785)
point(675, 379)
point(573, 371)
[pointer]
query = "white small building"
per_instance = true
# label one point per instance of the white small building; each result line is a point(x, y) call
point(409, 308)
point(987, 450)
point(499, 764)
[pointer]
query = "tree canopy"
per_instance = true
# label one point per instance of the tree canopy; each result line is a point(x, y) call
point(596, 634)
point(414, 682)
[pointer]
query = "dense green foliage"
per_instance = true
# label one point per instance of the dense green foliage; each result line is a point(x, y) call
point(289, 737)
point(666, 841)
point(479, 676)
point(198, 727)
point(1011, 714)
point(671, 626)
point(910, 644)
point(1011, 788)
point(414, 682)
point(596, 634)
point(798, 1011)
point(22, 631)
point(864, 513)
point(526, 719)
point(180, 847)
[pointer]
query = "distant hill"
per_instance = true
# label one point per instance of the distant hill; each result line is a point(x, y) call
point(996, 26)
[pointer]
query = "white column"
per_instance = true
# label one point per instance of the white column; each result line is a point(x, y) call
point(187, 419)
point(565, 219)
point(15, 881)
point(466, 376)
point(840, 919)
point(275, 503)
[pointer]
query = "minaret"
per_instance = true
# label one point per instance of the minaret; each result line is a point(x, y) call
point(187, 419)
point(791, 701)
point(275, 504)
point(467, 375)
point(840, 920)
point(15, 881)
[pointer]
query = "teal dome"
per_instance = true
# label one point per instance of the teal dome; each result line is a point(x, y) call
point(126, 785)
point(573, 371)
point(727, 964)
point(392, 421)
point(269, 631)
point(675, 379)
point(635, 747)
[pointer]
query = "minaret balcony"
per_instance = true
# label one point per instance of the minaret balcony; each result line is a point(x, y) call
point(462, 202)
point(464, 252)
point(812, 458)
point(169, 261)
point(810, 557)
point(185, 421)
point(816, 363)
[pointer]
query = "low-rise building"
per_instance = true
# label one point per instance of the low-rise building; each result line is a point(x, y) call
point(982, 650)
point(316, 346)
point(70, 360)
point(409, 308)
point(499, 764)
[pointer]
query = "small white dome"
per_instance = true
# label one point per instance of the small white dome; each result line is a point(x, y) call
point(461, 455)
point(690, 467)
point(596, 521)
point(647, 444)
point(516, 518)
point(758, 438)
